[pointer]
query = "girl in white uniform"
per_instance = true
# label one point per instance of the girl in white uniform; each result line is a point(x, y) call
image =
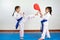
point(19, 16)
point(44, 23)
point(20, 20)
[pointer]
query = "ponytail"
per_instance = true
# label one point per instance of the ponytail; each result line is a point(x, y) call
point(51, 12)
point(13, 13)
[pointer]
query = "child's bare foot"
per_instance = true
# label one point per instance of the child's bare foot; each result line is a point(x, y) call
point(21, 38)
point(41, 39)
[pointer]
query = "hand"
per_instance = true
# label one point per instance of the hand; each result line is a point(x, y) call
point(41, 16)
point(36, 14)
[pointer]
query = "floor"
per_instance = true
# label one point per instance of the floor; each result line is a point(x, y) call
point(28, 36)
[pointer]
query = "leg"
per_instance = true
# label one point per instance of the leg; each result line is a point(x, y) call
point(22, 30)
point(42, 25)
point(44, 31)
point(17, 24)
point(48, 34)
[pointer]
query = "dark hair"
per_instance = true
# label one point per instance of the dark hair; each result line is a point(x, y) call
point(50, 10)
point(16, 7)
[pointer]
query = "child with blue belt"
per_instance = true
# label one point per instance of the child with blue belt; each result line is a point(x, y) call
point(21, 19)
point(19, 16)
point(44, 23)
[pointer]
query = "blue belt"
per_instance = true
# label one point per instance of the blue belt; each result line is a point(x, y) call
point(42, 23)
point(18, 20)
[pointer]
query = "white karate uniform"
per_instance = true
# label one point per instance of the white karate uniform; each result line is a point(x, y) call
point(45, 28)
point(21, 24)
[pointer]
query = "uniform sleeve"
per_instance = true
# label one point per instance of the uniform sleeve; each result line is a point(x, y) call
point(44, 17)
point(16, 16)
point(47, 16)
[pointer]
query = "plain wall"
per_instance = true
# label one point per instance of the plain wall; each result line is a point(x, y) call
point(7, 22)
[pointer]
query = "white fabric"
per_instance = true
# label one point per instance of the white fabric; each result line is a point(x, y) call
point(21, 24)
point(18, 15)
point(22, 30)
point(45, 31)
point(45, 28)
point(47, 16)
